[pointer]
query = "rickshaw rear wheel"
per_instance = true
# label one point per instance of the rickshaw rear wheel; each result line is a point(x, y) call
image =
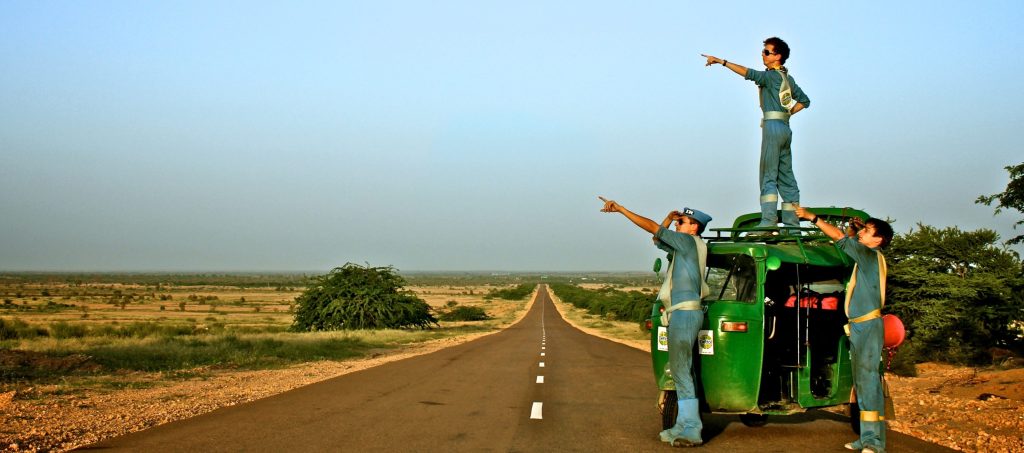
point(855, 418)
point(669, 408)
point(754, 420)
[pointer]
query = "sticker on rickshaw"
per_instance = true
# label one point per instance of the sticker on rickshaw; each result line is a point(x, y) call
point(706, 342)
point(662, 338)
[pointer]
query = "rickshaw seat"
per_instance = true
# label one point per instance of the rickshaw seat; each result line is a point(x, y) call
point(814, 300)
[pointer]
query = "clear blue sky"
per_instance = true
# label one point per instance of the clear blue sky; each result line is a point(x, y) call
point(469, 135)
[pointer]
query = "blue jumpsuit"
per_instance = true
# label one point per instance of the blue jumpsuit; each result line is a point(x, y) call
point(776, 172)
point(683, 328)
point(866, 343)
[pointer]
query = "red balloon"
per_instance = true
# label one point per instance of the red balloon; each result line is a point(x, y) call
point(894, 331)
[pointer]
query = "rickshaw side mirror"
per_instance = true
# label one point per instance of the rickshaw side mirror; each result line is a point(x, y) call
point(773, 263)
point(657, 265)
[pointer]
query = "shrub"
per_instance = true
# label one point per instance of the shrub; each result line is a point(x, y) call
point(517, 292)
point(608, 302)
point(62, 330)
point(17, 329)
point(357, 297)
point(465, 313)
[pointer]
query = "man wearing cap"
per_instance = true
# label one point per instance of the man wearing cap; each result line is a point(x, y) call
point(685, 315)
point(780, 98)
point(865, 296)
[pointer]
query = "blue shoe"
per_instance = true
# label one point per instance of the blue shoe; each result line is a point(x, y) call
point(686, 442)
point(669, 434)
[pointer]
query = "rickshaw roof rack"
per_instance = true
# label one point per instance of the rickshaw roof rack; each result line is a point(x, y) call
point(768, 235)
point(745, 228)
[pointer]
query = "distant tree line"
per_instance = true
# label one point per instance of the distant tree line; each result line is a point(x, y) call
point(517, 292)
point(608, 302)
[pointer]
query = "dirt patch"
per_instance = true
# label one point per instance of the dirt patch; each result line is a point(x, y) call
point(17, 359)
point(965, 409)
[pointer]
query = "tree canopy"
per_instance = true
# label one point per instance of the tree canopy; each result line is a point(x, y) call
point(1011, 198)
point(958, 292)
point(358, 297)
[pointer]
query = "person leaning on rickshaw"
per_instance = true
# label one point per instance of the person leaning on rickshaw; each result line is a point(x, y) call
point(685, 286)
point(865, 295)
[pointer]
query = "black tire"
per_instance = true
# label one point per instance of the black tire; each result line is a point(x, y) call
point(855, 418)
point(754, 420)
point(669, 409)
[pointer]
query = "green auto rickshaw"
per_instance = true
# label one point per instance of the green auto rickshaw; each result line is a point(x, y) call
point(772, 342)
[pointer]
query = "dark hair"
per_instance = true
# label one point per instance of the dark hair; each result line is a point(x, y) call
point(882, 230)
point(779, 46)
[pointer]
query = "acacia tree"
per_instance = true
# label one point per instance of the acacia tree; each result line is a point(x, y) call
point(1011, 198)
point(357, 297)
point(958, 292)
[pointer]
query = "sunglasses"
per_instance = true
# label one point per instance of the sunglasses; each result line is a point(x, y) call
point(765, 52)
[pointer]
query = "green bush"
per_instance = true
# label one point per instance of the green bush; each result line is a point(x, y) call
point(957, 292)
point(608, 302)
point(517, 292)
point(357, 297)
point(465, 313)
point(169, 354)
point(15, 329)
point(62, 330)
point(901, 363)
point(143, 330)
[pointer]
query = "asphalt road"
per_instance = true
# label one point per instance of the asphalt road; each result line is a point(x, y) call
point(538, 386)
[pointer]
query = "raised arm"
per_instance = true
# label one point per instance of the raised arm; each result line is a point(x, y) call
point(670, 217)
point(825, 227)
point(738, 69)
point(643, 222)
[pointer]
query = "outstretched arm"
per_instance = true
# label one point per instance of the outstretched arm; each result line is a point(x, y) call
point(825, 227)
point(738, 69)
point(643, 222)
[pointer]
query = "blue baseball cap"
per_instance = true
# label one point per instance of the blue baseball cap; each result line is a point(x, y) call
point(697, 215)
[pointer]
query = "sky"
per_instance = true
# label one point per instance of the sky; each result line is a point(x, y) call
point(475, 135)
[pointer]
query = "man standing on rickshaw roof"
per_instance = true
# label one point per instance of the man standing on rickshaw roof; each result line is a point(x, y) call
point(780, 98)
point(685, 287)
point(865, 296)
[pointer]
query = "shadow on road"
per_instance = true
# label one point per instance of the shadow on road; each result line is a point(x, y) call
point(716, 424)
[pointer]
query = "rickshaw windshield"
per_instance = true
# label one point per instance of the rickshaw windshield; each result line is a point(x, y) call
point(732, 277)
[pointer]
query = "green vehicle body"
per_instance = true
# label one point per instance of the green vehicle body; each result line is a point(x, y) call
point(789, 358)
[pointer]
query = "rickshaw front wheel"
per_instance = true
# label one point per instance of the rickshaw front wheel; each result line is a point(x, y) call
point(754, 420)
point(669, 407)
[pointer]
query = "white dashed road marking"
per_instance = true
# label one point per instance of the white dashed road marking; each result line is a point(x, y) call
point(540, 379)
point(535, 413)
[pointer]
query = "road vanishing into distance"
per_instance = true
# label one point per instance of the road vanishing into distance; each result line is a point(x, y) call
point(540, 385)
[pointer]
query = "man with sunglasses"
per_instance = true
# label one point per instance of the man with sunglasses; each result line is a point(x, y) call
point(780, 98)
point(865, 296)
point(683, 289)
